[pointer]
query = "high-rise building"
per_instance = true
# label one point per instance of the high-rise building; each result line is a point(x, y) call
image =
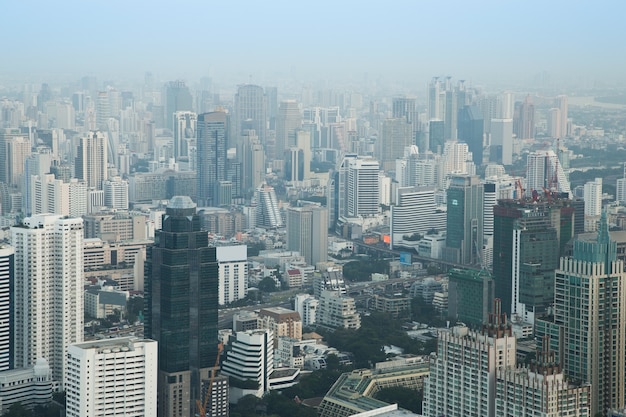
point(251, 112)
point(436, 138)
point(336, 310)
point(524, 119)
point(253, 166)
point(590, 308)
point(49, 298)
point(362, 188)
point(177, 98)
point(413, 212)
point(528, 238)
point(397, 134)
point(307, 232)
point(470, 130)
point(289, 120)
point(7, 267)
point(181, 300)
point(470, 295)
point(251, 357)
point(112, 377)
point(593, 197)
point(233, 273)
point(15, 147)
point(116, 193)
point(561, 104)
point(185, 124)
point(554, 123)
point(501, 149)
point(464, 223)
point(92, 161)
point(544, 170)
point(212, 146)
point(267, 209)
point(457, 159)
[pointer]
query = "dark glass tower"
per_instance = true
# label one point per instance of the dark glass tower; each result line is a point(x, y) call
point(212, 146)
point(470, 130)
point(181, 306)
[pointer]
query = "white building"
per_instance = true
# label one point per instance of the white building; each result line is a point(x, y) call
point(502, 140)
point(112, 377)
point(49, 299)
point(6, 280)
point(251, 357)
point(267, 209)
point(49, 195)
point(336, 310)
point(413, 212)
point(306, 305)
point(233, 273)
point(543, 170)
point(363, 188)
point(116, 193)
point(28, 386)
point(92, 159)
point(593, 197)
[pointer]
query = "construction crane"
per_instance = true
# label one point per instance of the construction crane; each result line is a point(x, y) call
point(202, 405)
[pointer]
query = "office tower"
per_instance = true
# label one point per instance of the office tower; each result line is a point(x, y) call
point(524, 119)
point(181, 300)
point(14, 149)
point(49, 277)
point(112, 377)
point(436, 138)
point(363, 188)
point(620, 189)
point(464, 222)
point(396, 135)
point(103, 110)
point(418, 169)
point(272, 105)
point(412, 212)
point(433, 100)
point(462, 379)
point(7, 267)
point(528, 238)
point(561, 104)
point(267, 209)
point(307, 232)
point(177, 98)
point(341, 184)
point(116, 193)
point(91, 163)
point(253, 167)
point(185, 124)
point(233, 273)
point(554, 123)
point(38, 163)
point(589, 307)
point(404, 107)
point(593, 197)
point(470, 130)
point(288, 121)
point(49, 195)
point(470, 295)
point(501, 149)
point(544, 170)
point(251, 112)
point(250, 358)
point(303, 142)
point(212, 146)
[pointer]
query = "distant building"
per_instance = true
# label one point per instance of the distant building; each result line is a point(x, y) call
point(7, 283)
point(470, 293)
point(282, 322)
point(233, 273)
point(464, 231)
point(337, 311)
point(397, 306)
point(306, 305)
point(307, 232)
point(470, 130)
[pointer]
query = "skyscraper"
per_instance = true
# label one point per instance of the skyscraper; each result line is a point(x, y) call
point(524, 119)
point(7, 266)
point(289, 119)
point(436, 138)
point(181, 306)
point(49, 311)
point(185, 123)
point(561, 103)
point(253, 166)
point(91, 160)
point(590, 308)
point(501, 150)
point(267, 210)
point(251, 112)
point(413, 212)
point(464, 220)
point(470, 131)
point(15, 147)
point(363, 188)
point(212, 146)
point(177, 98)
point(307, 232)
point(544, 170)
point(396, 135)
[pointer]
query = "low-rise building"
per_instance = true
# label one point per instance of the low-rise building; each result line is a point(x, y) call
point(336, 310)
point(101, 303)
point(397, 305)
point(281, 321)
point(28, 386)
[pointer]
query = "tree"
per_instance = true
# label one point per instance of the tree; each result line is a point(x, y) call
point(18, 410)
point(267, 284)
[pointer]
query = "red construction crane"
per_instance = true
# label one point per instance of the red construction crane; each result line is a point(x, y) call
point(202, 406)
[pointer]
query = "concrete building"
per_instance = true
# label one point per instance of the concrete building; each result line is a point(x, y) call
point(250, 358)
point(413, 212)
point(7, 277)
point(470, 293)
point(101, 303)
point(362, 188)
point(281, 321)
point(307, 232)
point(233, 273)
point(250, 113)
point(288, 121)
point(112, 377)
point(267, 209)
point(396, 135)
point(336, 310)
point(91, 163)
point(306, 305)
point(543, 170)
point(397, 306)
point(49, 295)
point(185, 124)
point(116, 193)
point(464, 231)
point(501, 149)
point(30, 386)
point(115, 227)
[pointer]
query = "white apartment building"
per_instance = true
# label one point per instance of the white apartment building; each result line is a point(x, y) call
point(251, 357)
point(49, 195)
point(363, 188)
point(306, 305)
point(112, 377)
point(6, 279)
point(116, 193)
point(30, 386)
point(593, 197)
point(413, 212)
point(49, 296)
point(233, 273)
point(336, 310)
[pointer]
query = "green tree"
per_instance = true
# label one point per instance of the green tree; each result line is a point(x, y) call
point(267, 284)
point(18, 410)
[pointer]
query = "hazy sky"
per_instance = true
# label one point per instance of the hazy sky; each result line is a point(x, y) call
point(314, 38)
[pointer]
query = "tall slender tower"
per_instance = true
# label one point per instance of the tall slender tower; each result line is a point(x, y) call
point(250, 112)
point(49, 310)
point(590, 308)
point(464, 220)
point(91, 161)
point(185, 123)
point(288, 121)
point(212, 147)
point(181, 307)
point(307, 232)
point(7, 267)
point(178, 98)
